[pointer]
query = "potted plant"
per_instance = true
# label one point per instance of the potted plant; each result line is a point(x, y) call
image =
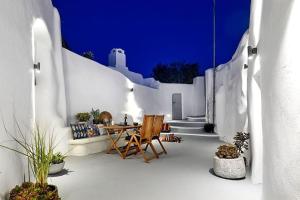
point(229, 161)
point(96, 116)
point(57, 163)
point(39, 152)
point(83, 117)
point(209, 128)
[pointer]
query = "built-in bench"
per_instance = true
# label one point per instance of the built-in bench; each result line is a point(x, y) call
point(91, 145)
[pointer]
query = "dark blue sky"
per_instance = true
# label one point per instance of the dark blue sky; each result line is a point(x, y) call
point(154, 31)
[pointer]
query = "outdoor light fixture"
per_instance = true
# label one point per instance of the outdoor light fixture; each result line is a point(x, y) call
point(131, 90)
point(37, 67)
point(245, 66)
point(252, 51)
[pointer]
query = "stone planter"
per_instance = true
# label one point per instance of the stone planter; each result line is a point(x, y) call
point(230, 168)
point(56, 168)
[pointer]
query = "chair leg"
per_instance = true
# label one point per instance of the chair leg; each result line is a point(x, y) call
point(136, 149)
point(143, 153)
point(127, 148)
point(153, 149)
point(162, 146)
point(146, 147)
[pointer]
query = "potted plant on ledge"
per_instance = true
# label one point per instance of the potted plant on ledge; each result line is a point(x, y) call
point(57, 163)
point(83, 117)
point(96, 116)
point(229, 161)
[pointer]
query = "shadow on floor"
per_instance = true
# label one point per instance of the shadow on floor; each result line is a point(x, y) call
point(211, 171)
point(62, 173)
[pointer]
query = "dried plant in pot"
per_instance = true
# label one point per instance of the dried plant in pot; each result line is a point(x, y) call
point(228, 161)
point(39, 152)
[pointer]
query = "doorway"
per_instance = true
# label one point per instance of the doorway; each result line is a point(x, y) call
point(177, 106)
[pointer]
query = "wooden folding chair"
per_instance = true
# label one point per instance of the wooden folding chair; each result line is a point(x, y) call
point(144, 136)
point(157, 127)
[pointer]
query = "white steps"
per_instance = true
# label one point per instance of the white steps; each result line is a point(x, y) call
point(193, 125)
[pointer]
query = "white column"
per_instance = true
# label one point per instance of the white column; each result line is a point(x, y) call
point(209, 81)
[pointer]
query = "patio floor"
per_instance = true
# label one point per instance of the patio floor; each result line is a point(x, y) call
point(182, 174)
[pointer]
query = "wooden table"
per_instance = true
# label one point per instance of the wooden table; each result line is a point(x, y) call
point(117, 130)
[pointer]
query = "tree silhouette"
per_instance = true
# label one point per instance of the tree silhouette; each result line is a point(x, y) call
point(89, 55)
point(177, 72)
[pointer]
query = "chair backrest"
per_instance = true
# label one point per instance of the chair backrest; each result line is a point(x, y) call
point(147, 127)
point(158, 124)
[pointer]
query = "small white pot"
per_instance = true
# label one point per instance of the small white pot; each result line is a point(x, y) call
point(56, 168)
point(230, 168)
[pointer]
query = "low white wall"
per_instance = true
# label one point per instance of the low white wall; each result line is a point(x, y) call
point(92, 85)
point(231, 94)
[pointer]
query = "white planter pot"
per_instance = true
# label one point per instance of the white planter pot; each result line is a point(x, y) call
point(56, 168)
point(230, 168)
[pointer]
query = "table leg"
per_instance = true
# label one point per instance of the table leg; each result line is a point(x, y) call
point(114, 143)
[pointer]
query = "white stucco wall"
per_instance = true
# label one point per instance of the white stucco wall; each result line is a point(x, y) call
point(254, 95)
point(231, 94)
point(22, 23)
point(92, 85)
point(279, 59)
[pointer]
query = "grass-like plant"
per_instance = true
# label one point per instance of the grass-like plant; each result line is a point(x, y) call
point(38, 149)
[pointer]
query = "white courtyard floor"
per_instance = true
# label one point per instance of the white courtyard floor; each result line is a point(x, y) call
point(182, 174)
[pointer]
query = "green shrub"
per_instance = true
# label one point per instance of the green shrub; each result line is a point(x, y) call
point(83, 117)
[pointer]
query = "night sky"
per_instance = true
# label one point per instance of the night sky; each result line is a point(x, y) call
point(154, 31)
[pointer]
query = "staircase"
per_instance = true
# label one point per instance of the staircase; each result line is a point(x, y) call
point(192, 125)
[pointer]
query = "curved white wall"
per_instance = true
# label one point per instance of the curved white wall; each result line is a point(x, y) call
point(278, 49)
point(231, 94)
point(92, 85)
point(17, 35)
point(254, 95)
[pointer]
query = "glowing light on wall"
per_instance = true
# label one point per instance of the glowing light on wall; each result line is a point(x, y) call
point(131, 107)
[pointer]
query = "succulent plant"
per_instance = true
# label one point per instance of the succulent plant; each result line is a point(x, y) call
point(228, 151)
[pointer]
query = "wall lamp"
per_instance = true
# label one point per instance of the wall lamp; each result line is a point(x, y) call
point(245, 66)
point(252, 51)
point(131, 90)
point(37, 67)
